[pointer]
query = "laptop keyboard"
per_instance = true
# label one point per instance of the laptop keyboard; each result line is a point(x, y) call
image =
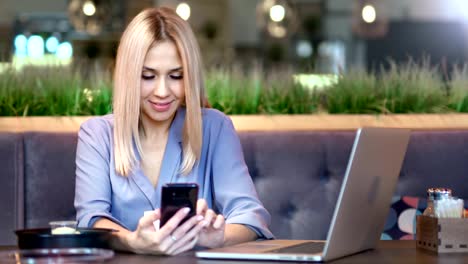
point(304, 248)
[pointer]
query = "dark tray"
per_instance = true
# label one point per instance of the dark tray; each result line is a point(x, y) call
point(42, 238)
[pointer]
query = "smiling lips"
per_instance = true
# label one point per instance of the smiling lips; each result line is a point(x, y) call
point(161, 106)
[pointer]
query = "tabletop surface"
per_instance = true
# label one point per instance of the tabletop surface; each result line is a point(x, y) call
point(386, 252)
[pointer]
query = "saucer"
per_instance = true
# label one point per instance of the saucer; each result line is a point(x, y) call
point(55, 255)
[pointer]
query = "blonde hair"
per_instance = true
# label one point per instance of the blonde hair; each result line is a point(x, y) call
point(147, 28)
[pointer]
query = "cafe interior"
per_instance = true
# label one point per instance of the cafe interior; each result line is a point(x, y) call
point(351, 118)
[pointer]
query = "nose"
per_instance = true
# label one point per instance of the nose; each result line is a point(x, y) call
point(161, 88)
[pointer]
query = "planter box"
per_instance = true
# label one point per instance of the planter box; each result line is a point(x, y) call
point(269, 122)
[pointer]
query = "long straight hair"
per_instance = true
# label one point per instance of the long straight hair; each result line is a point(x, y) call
point(146, 29)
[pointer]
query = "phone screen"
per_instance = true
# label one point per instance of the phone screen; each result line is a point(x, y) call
point(176, 196)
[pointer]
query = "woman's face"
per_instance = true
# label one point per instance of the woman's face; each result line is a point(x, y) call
point(162, 88)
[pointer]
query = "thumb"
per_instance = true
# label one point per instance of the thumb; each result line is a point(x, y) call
point(148, 218)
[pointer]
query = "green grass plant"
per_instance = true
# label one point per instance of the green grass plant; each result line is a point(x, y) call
point(355, 93)
point(281, 95)
point(52, 91)
point(233, 92)
point(59, 90)
point(458, 100)
point(412, 88)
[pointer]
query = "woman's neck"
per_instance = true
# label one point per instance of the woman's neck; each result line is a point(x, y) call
point(152, 131)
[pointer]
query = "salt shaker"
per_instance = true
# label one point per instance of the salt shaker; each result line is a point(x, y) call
point(434, 194)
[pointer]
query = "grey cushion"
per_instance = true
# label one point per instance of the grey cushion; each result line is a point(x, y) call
point(11, 177)
point(50, 177)
point(293, 179)
point(435, 159)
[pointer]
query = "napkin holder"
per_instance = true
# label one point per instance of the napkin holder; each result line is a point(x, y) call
point(442, 235)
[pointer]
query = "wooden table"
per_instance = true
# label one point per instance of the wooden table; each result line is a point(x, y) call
point(387, 252)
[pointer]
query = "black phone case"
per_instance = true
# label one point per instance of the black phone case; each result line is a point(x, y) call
point(176, 196)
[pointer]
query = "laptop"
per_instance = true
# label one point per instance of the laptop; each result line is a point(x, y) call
point(361, 210)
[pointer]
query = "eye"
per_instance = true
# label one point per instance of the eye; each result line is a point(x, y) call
point(176, 76)
point(147, 77)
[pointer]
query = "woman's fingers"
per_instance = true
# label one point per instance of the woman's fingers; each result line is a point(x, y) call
point(210, 216)
point(173, 223)
point(202, 206)
point(148, 219)
point(188, 246)
point(187, 226)
point(219, 222)
point(178, 235)
point(186, 238)
point(156, 214)
point(171, 238)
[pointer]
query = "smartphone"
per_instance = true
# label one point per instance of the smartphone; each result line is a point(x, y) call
point(176, 196)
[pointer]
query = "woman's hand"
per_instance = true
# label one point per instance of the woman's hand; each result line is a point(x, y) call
point(170, 239)
point(212, 235)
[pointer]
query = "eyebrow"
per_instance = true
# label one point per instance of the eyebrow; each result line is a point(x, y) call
point(153, 70)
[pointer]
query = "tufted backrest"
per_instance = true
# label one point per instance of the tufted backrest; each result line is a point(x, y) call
point(49, 184)
point(11, 177)
point(298, 176)
point(435, 159)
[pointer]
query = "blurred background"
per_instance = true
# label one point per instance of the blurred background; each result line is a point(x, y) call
point(315, 41)
point(310, 35)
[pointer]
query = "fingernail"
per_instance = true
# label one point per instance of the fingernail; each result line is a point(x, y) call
point(204, 223)
point(186, 210)
point(200, 217)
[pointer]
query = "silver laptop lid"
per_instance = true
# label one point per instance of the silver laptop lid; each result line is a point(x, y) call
point(368, 185)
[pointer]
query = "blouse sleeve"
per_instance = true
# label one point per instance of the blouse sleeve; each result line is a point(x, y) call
point(93, 187)
point(234, 192)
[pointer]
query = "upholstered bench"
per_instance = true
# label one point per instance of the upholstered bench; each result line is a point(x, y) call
point(297, 174)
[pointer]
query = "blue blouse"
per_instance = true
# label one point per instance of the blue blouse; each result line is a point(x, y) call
point(221, 174)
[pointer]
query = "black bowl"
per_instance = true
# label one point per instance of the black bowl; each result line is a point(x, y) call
point(42, 238)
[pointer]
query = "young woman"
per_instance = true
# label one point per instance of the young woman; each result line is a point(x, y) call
point(160, 133)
